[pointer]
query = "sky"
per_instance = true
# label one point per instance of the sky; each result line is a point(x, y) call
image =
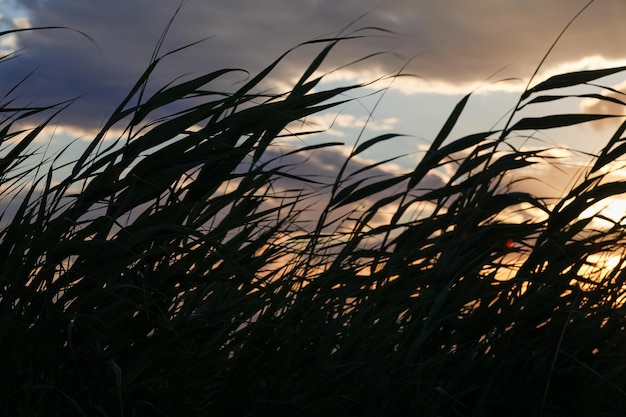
point(450, 47)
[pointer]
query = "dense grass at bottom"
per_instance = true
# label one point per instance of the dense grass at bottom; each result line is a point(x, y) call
point(178, 271)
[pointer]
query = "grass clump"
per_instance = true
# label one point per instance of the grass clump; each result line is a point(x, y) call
point(171, 271)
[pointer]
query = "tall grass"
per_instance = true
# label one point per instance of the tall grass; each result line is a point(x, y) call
point(174, 270)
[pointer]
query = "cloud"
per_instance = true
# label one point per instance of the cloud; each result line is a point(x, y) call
point(8, 44)
point(323, 166)
point(21, 23)
point(456, 43)
point(335, 124)
point(615, 104)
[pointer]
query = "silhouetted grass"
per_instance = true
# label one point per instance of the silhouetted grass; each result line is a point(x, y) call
point(171, 272)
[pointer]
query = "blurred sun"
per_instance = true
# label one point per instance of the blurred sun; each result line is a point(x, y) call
point(607, 213)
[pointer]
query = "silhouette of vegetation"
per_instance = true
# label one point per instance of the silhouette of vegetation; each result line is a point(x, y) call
point(168, 271)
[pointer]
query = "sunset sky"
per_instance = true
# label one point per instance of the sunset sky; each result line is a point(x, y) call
point(452, 47)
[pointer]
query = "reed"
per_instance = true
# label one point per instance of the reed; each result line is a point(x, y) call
point(171, 272)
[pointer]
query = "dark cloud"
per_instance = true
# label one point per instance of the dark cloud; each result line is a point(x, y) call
point(456, 42)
